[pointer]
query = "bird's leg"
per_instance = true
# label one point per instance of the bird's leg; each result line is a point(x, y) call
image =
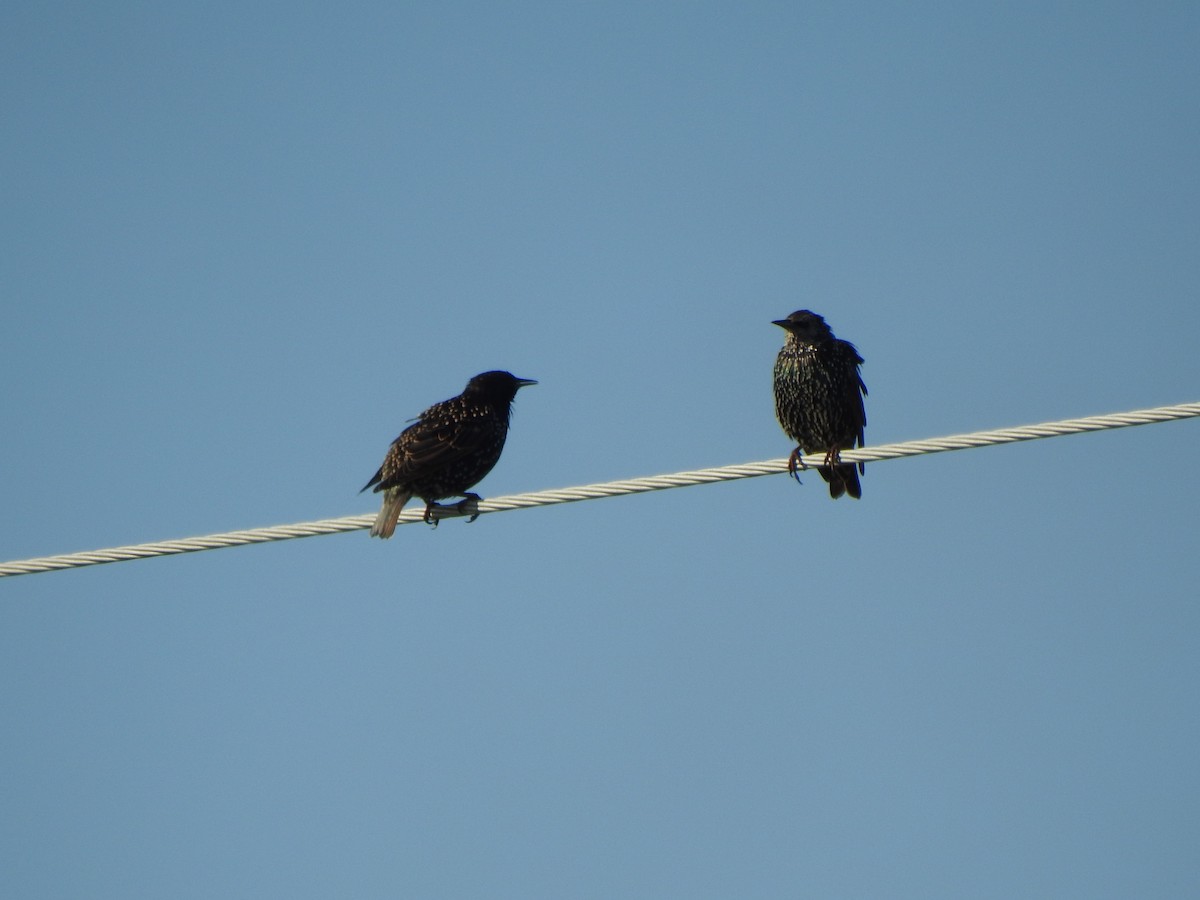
point(833, 458)
point(469, 506)
point(837, 483)
point(796, 465)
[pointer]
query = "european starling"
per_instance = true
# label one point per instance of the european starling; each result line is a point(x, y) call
point(819, 398)
point(449, 449)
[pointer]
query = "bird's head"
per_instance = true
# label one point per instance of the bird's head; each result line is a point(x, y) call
point(497, 386)
point(805, 326)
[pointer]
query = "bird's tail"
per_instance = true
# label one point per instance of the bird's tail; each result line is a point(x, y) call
point(393, 502)
point(843, 479)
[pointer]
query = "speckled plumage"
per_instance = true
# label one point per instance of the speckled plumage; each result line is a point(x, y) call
point(449, 449)
point(819, 398)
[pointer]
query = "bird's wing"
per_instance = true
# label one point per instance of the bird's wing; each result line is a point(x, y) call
point(430, 444)
point(856, 389)
point(375, 479)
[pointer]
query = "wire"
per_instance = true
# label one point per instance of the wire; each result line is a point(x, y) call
point(603, 489)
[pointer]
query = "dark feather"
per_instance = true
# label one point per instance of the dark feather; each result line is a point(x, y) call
point(452, 445)
point(819, 397)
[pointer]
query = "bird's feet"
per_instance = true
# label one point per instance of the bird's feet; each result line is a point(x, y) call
point(468, 506)
point(796, 465)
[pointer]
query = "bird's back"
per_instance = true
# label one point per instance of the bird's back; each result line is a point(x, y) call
point(449, 449)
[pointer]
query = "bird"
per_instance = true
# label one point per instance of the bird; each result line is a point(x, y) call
point(819, 399)
point(447, 450)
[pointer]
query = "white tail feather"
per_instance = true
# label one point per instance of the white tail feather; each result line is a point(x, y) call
point(393, 503)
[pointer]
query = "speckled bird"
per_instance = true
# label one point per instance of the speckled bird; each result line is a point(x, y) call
point(448, 450)
point(819, 399)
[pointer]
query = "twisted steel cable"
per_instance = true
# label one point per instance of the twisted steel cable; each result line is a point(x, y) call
point(603, 489)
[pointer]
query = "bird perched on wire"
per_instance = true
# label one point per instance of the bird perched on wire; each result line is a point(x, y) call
point(449, 449)
point(819, 399)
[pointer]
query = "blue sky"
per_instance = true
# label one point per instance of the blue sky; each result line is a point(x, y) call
point(242, 246)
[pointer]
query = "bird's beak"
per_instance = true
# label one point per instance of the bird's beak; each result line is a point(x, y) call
point(525, 382)
point(782, 323)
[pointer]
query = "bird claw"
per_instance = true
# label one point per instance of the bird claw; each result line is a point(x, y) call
point(796, 465)
point(469, 506)
point(432, 513)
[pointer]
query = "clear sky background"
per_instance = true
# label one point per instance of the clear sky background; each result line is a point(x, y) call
point(243, 243)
